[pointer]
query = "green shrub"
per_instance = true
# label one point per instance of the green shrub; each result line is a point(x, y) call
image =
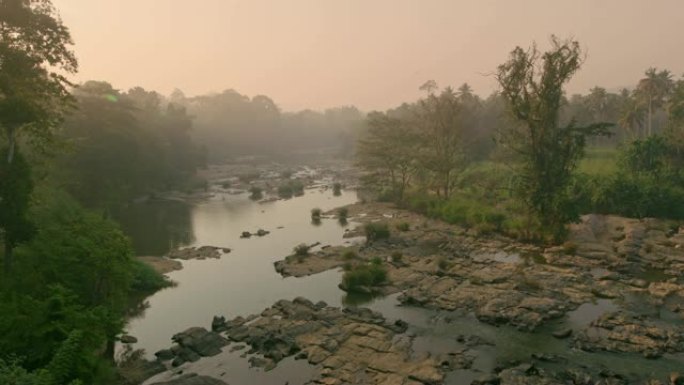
point(146, 279)
point(302, 250)
point(342, 213)
point(403, 226)
point(364, 276)
point(443, 264)
point(316, 213)
point(397, 257)
point(349, 255)
point(291, 188)
point(376, 230)
point(255, 193)
point(337, 189)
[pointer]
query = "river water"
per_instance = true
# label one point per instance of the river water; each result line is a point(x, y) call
point(244, 282)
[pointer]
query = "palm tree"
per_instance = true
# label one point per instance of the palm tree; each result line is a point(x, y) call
point(597, 103)
point(632, 118)
point(653, 90)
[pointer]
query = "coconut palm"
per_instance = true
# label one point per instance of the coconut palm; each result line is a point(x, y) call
point(653, 91)
point(632, 118)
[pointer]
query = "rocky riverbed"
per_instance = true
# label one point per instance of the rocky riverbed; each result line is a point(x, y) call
point(607, 307)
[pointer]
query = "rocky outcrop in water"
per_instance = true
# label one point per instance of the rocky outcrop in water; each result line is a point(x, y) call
point(191, 345)
point(347, 346)
point(502, 281)
point(202, 252)
point(624, 333)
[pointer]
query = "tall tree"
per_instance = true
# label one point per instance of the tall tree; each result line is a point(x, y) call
point(532, 83)
point(440, 119)
point(632, 118)
point(388, 150)
point(34, 56)
point(653, 90)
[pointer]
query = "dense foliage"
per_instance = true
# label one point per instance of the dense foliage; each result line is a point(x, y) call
point(122, 145)
point(515, 162)
point(69, 273)
point(547, 152)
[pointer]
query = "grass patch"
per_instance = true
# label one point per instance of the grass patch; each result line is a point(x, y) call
point(361, 278)
point(291, 188)
point(403, 226)
point(599, 161)
point(376, 230)
point(350, 255)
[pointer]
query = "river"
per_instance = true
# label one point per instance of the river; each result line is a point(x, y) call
point(244, 282)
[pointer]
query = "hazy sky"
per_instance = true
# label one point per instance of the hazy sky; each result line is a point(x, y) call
point(370, 53)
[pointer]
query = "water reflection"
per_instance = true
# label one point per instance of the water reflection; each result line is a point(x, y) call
point(156, 227)
point(243, 282)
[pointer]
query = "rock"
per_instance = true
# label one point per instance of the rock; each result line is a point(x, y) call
point(165, 355)
point(399, 326)
point(178, 361)
point(202, 252)
point(192, 379)
point(262, 232)
point(563, 333)
point(218, 324)
point(200, 341)
point(487, 379)
point(126, 339)
point(676, 378)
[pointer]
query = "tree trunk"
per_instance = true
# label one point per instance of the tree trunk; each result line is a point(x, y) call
point(12, 143)
point(8, 255)
point(650, 116)
point(110, 349)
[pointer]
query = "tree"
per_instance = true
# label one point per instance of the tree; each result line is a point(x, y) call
point(632, 118)
point(653, 90)
point(15, 191)
point(34, 54)
point(532, 84)
point(388, 148)
point(440, 121)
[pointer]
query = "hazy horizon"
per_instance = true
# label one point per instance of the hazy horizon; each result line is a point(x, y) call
point(374, 55)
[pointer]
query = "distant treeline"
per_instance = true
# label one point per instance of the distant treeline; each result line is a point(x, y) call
point(121, 145)
point(230, 124)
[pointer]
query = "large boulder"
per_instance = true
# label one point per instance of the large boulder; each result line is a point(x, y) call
point(201, 341)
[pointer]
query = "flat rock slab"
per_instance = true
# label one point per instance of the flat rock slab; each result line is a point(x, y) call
point(202, 252)
point(192, 379)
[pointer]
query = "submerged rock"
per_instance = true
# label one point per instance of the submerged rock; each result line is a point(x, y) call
point(192, 379)
point(126, 339)
point(563, 333)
